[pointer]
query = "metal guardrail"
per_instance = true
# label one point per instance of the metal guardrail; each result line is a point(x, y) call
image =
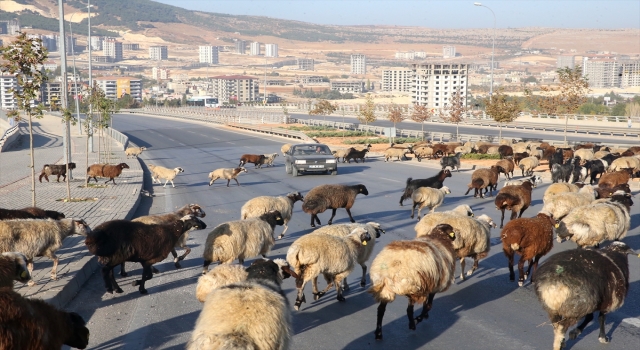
point(232, 115)
point(7, 135)
point(119, 137)
point(232, 121)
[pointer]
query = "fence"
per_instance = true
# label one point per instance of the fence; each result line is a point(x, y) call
point(9, 136)
point(118, 137)
point(223, 115)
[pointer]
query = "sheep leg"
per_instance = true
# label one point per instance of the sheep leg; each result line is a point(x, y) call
point(412, 322)
point(526, 275)
point(333, 214)
point(172, 185)
point(509, 254)
point(535, 266)
point(578, 330)
point(462, 265)
point(502, 218)
point(521, 274)
point(165, 183)
point(426, 307)
point(350, 217)
point(300, 298)
point(338, 283)
point(146, 275)
point(602, 337)
point(187, 250)
point(123, 273)
point(285, 230)
point(175, 258)
point(381, 309)
point(317, 295)
point(414, 208)
point(237, 183)
point(205, 266)
point(30, 268)
point(312, 221)
point(363, 280)
point(109, 281)
point(54, 270)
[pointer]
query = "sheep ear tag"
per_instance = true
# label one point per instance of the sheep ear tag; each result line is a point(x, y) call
point(452, 235)
point(557, 225)
point(364, 242)
point(24, 274)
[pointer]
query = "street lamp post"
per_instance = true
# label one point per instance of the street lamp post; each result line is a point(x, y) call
point(493, 47)
point(75, 79)
point(90, 128)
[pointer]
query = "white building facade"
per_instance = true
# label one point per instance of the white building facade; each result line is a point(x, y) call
point(566, 61)
point(271, 50)
point(113, 49)
point(208, 54)
point(240, 88)
point(448, 51)
point(254, 50)
point(397, 79)
point(358, 64)
point(158, 53)
point(434, 83)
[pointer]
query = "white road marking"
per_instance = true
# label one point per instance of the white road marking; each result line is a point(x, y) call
point(233, 143)
point(632, 321)
point(384, 178)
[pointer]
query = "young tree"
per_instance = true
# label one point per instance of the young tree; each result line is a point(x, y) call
point(22, 57)
point(395, 115)
point(502, 109)
point(567, 98)
point(455, 109)
point(323, 108)
point(421, 114)
point(367, 113)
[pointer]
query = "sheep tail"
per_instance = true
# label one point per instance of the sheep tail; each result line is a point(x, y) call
point(521, 166)
point(515, 246)
point(237, 341)
point(409, 180)
point(380, 293)
point(310, 205)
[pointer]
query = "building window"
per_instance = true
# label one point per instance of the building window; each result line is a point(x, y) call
point(436, 105)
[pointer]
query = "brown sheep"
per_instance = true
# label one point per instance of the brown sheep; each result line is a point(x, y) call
point(451, 147)
point(583, 146)
point(34, 324)
point(439, 150)
point(517, 157)
point(324, 197)
point(13, 267)
point(355, 155)
point(515, 198)
point(486, 179)
point(548, 152)
point(507, 167)
point(531, 238)
point(256, 159)
point(567, 154)
point(613, 179)
point(57, 169)
point(105, 170)
point(30, 213)
point(606, 192)
point(635, 150)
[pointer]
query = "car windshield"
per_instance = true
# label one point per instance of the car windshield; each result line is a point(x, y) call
point(311, 149)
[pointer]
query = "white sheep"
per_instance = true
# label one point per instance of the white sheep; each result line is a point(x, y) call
point(527, 165)
point(285, 148)
point(463, 149)
point(590, 225)
point(492, 150)
point(521, 147)
point(333, 257)
point(600, 154)
point(343, 230)
point(535, 180)
point(241, 239)
point(473, 240)
point(417, 269)
point(269, 158)
point(561, 204)
point(584, 154)
point(340, 153)
point(428, 197)
point(36, 237)
point(226, 173)
point(226, 274)
point(134, 152)
point(558, 187)
point(621, 163)
point(159, 172)
point(247, 315)
point(263, 204)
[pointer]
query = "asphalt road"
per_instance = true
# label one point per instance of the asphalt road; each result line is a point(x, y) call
point(481, 130)
point(484, 312)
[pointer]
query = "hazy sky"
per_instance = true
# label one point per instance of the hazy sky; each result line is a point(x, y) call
point(436, 14)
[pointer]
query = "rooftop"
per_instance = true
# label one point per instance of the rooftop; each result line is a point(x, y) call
point(232, 77)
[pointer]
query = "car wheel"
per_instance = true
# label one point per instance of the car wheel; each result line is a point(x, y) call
point(294, 171)
point(335, 172)
point(287, 168)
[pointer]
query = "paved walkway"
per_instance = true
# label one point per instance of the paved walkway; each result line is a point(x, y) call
point(112, 202)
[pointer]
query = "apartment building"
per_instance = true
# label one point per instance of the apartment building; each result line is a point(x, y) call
point(629, 73)
point(270, 50)
point(240, 88)
point(240, 46)
point(410, 55)
point(397, 79)
point(7, 100)
point(117, 87)
point(129, 46)
point(305, 63)
point(113, 49)
point(448, 51)
point(312, 80)
point(434, 83)
point(600, 71)
point(358, 64)
point(566, 61)
point(159, 73)
point(158, 53)
point(96, 43)
point(255, 49)
point(208, 54)
point(350, 86)
point(51, 93)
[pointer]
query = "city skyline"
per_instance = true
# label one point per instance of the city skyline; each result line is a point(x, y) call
point(608, 14)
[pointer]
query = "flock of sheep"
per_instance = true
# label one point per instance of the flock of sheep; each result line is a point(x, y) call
point(570, 285)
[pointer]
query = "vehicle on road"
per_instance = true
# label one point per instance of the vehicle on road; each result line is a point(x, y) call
point(310, 157)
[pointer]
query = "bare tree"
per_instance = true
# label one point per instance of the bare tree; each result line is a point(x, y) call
point(567, 98)
point(22, 59)
point(421, 114)
point(367, 113)
point(455, 109)
point(502, 109)
point(395, 115)
point(324, 108)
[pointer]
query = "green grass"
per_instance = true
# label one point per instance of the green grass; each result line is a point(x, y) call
point(480, 156)
point(398, 140)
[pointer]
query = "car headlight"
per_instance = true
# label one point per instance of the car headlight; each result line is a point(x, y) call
point(331, 161)
point(301, 161)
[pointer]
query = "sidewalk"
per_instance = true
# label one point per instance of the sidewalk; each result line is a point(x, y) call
point(113, 202)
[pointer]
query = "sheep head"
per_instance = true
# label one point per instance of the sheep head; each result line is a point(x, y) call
point(71, 165)
point(486, 219)
point(80, 227)
point(178, 170)
point(376, 226)
point(21, 272)
point(445, 190)
point(362, 189)
point(444, 229)
point(192, 223)
point(362, 234)
point(123, 166)
point(295, 196)
point(620, 247)
point(285, 269)
point(79, 337)
point(196, 210)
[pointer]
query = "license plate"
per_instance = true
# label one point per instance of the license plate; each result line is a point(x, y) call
point(316, 166)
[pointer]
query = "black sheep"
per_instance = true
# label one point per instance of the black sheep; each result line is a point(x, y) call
point(30, 213)
point(436, 181)
point(117, 241)
point(355, 155)
point(556, 158)
point(324, 197)
point(451, 161)
point(576, 283)
point(55, 169)
point(596, 167)
point(562, 172)
point(505, 151)
point(609, 158)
